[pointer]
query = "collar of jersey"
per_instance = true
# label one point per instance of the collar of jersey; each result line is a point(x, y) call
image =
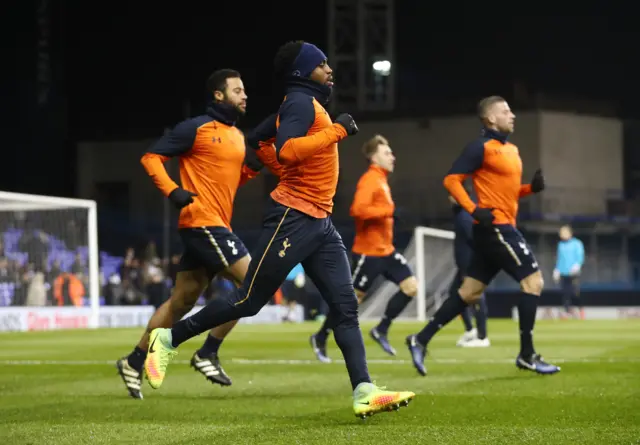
point(493, 134)
point(378, 169)
point(223, 113)
point(322, 93)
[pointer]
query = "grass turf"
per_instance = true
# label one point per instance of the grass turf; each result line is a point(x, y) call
point(61, 387)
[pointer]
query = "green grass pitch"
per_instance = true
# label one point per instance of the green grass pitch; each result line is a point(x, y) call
point(62, 388)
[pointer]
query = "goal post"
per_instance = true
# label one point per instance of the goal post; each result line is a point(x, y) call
point(44, 235)
point(430, 256)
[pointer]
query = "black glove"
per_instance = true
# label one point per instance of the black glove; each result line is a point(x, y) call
point(347, 123)
point(181, 197)
point(483, 216)
point(401, 215)
point(252, 161)
point(537, 183)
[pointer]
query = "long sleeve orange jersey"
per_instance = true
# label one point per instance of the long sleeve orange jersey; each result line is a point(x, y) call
point(495, 167)
point(212, 153)
point(306, 146)
point(262, 140)
point(372, 209)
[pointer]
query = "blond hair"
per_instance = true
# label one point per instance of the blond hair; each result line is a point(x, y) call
point(371, 146)
point(486, 103)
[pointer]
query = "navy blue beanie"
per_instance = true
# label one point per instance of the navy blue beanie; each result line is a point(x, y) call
point(309, 57)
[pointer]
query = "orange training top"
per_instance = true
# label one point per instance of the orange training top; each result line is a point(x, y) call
point(373, 209)
point(495, 167)
point(306, 146)
point(212, 153)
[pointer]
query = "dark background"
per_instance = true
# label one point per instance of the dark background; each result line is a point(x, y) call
point(125, 70)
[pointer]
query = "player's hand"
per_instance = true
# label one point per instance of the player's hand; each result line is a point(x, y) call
point(556, 275)
point(181, 197)
point(575, 270)
point(346, 121)
point(251, 160)
point(537, 182)
point(483, 216)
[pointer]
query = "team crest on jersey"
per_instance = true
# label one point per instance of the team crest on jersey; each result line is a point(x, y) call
point(232, 245)
point(217, 139)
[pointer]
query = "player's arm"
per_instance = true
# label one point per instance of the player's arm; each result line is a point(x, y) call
point(267, 155)
point(525, 190)
point(264, 131)
point(261, 140)
point(468, 162)
point(297, 114)
point(250, 168)
point(467, 229)
point(362, 206)
point(579, 252)
point(175, 143)
point(536, 186)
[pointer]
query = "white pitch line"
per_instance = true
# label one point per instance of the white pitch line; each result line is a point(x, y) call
point(241, 361)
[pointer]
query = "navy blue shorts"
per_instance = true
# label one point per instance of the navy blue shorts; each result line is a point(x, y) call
point(501, 247)
point(365, 269)
point(214, 248)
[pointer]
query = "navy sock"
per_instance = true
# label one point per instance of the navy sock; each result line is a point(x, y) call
point(325, 330)
point(210, 346)
point(481, 317)
point(527, 308)
point(394, 308)
point(136, 358)
point(217, 311)
point(466, 319)
point(451, 307)
point(351, 344)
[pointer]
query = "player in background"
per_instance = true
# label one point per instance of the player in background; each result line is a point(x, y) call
point(293, 291)
point(462, 251)
point(297, 228)
point(496, 168)
point(212, 166)
point(373, 252)
point(569, 262)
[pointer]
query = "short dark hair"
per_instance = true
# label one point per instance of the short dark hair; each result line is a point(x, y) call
point(218, 80)
point(371, 146)
point(286, 55)
point(486, 103)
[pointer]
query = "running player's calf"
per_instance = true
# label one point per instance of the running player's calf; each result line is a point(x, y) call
point(189, 286)
point(469, 292)
point(528, 359)
point(397, 304)
point(206, 360)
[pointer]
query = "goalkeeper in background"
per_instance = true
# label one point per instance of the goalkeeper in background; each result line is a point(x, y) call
point(373, 252)
point(462, 251)
point(568, 266)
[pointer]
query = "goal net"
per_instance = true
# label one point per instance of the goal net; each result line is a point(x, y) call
point(430, 256)
point(48, 260)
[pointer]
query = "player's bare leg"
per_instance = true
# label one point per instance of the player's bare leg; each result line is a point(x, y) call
point(470, 292)
point(408, 291)
point(189, 286)
point(528, 359)
point(206, 360)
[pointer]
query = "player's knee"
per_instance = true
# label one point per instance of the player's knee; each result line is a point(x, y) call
point(533, 284)
point(345, 314)
point(471, 290)
point(345, 308)
point(409, 286)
